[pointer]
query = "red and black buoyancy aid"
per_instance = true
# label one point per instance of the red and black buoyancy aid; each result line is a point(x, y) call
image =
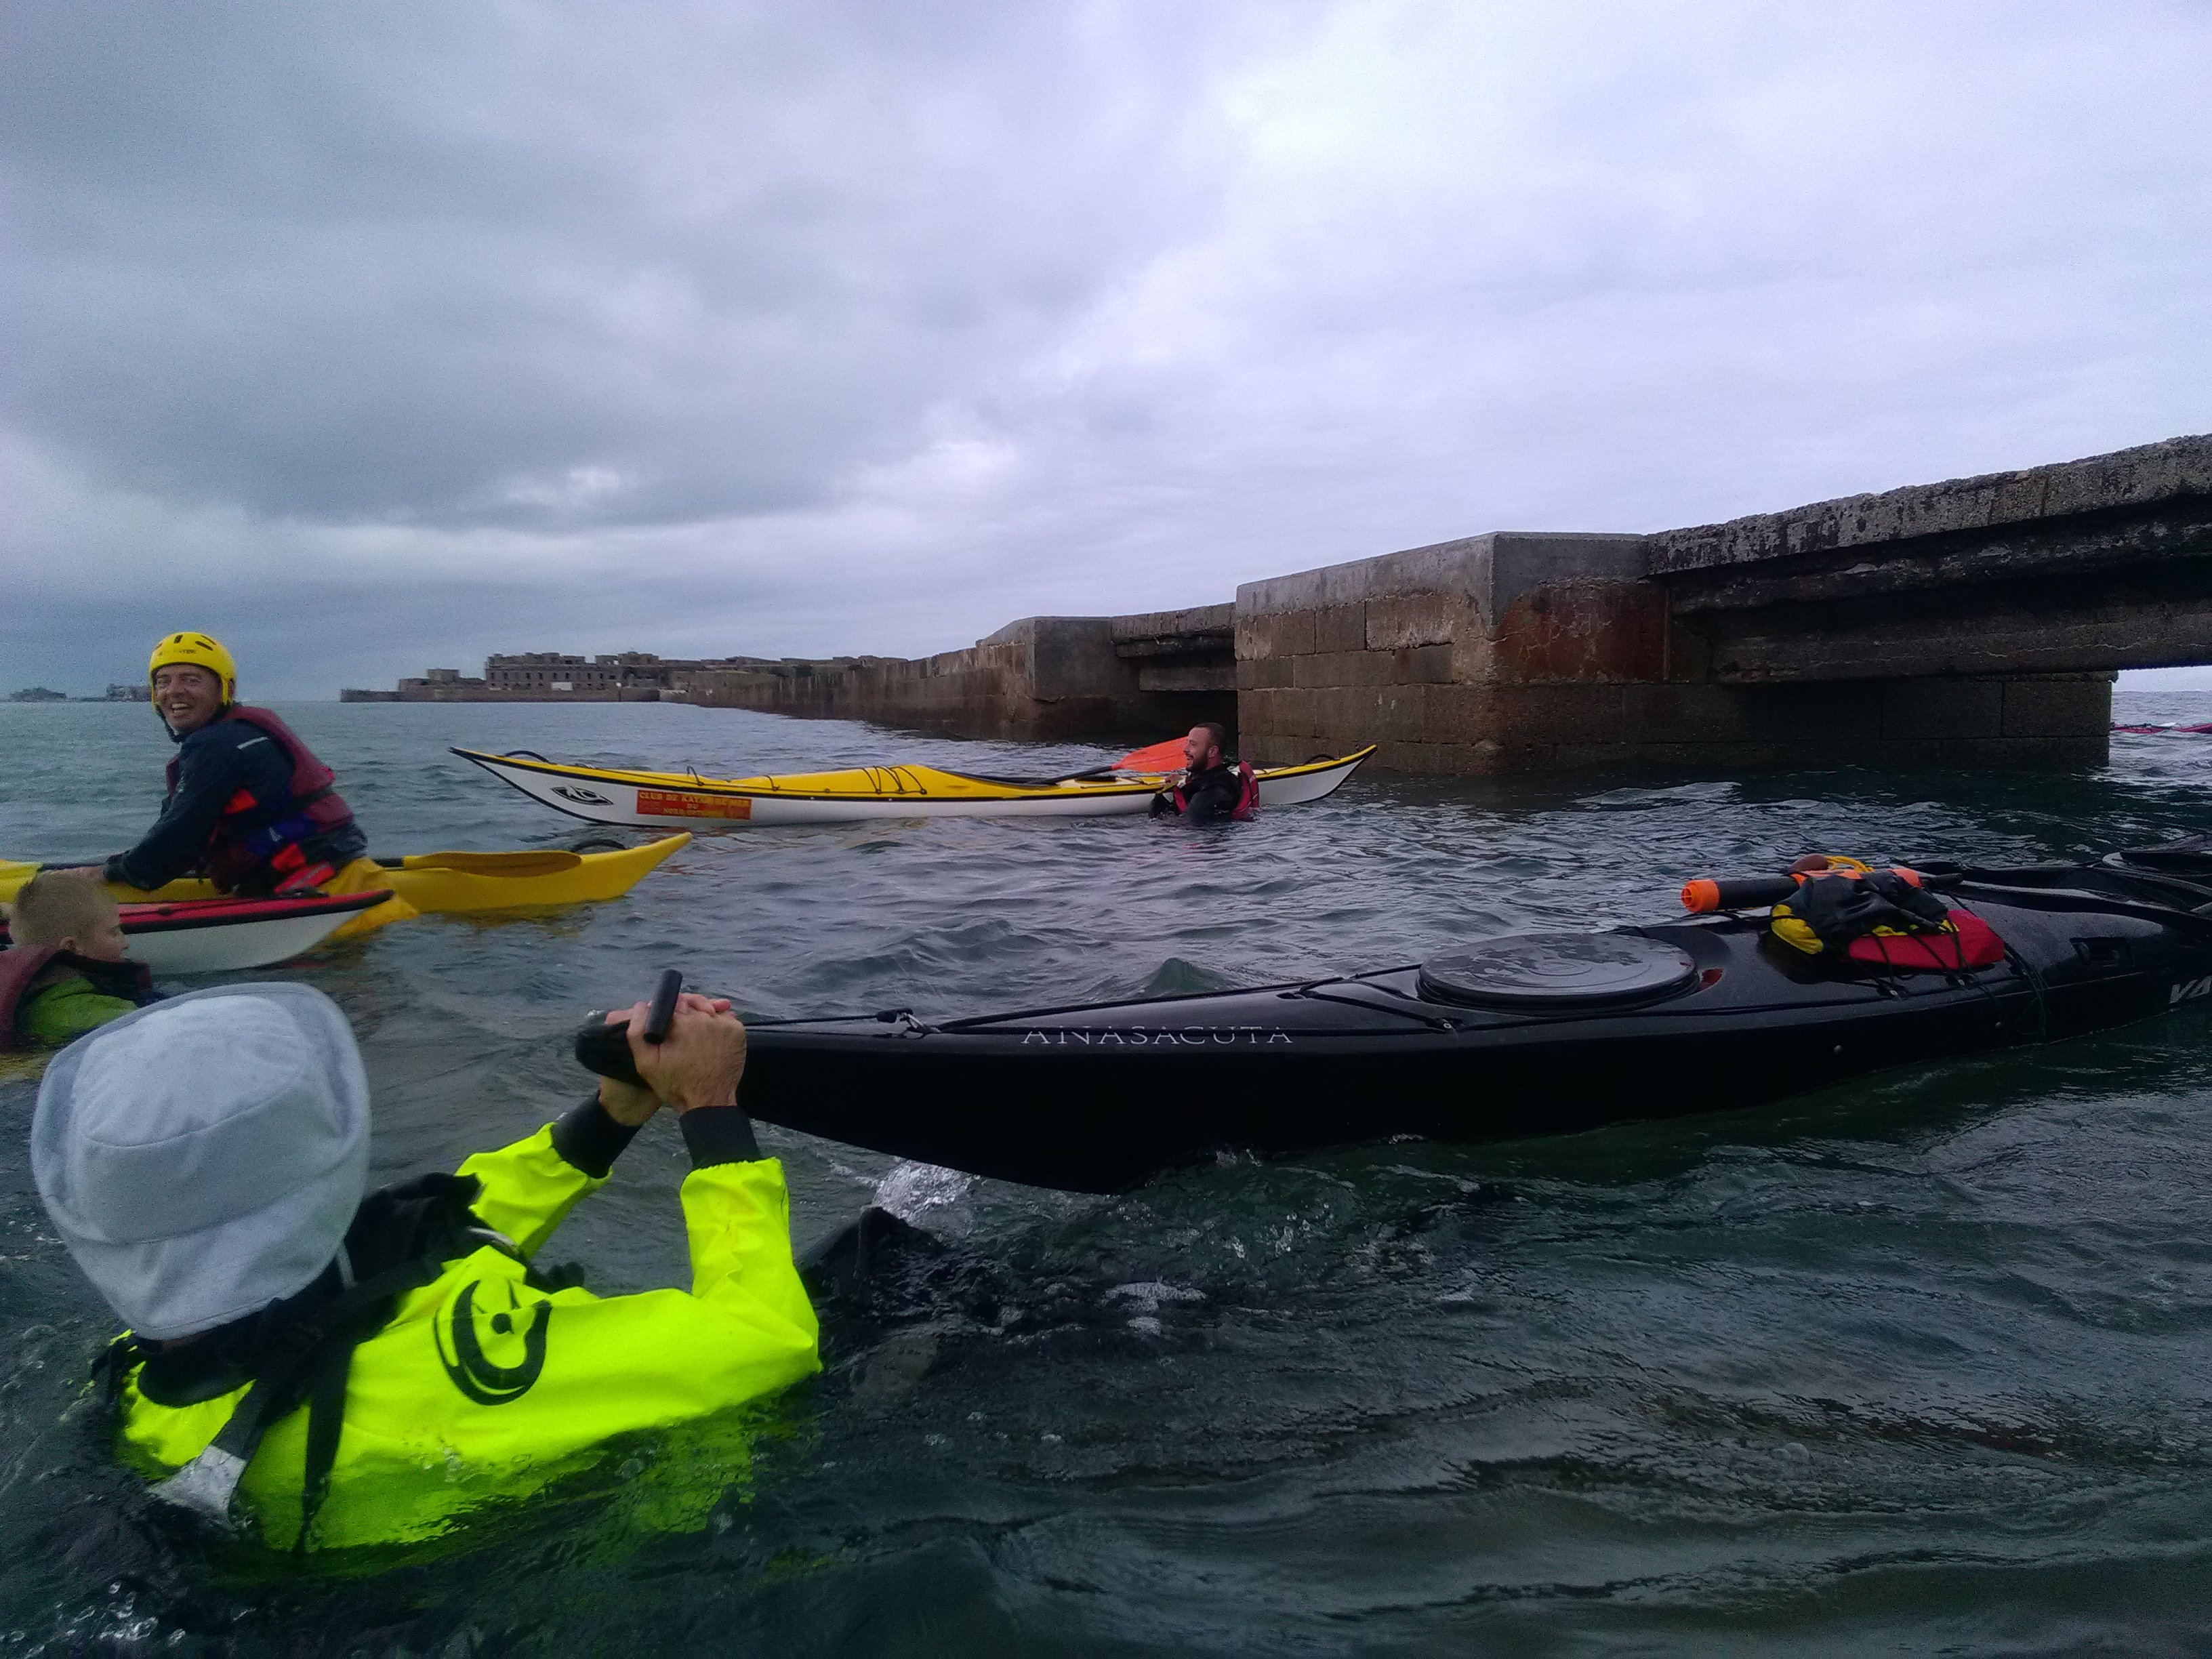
point(1247, 795)
point(19, 967)
point(252, 833)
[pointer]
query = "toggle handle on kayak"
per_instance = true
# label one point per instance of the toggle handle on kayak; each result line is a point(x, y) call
point(603, 1046)
point(1707, 894)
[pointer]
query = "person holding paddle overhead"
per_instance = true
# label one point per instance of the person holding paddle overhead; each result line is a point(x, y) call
point(336, 1366)
point(248, 805)
point(1210, 789)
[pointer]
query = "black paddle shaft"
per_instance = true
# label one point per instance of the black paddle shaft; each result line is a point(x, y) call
point(603, 1046)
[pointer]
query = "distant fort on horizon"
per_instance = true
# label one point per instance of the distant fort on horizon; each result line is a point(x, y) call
point(558, 676)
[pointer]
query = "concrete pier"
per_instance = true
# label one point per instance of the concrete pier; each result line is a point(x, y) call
point(1536, 652)
point(1040, 677)
point(1972, 622)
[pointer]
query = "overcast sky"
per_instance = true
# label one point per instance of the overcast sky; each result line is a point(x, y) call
point(372, 337)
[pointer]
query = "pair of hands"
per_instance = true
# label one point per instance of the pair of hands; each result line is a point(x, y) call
point(699, 1065)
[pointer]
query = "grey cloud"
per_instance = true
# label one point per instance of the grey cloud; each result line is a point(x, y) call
point(869, 327)
point(470, 264)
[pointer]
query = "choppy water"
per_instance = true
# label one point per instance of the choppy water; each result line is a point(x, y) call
point(1922, 1363)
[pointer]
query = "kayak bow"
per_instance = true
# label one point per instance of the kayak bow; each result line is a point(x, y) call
point(651, 800)
point(443, 884)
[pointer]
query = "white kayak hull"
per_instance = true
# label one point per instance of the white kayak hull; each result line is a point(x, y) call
point(227, 947)
point(222, 935)
point(899, 793)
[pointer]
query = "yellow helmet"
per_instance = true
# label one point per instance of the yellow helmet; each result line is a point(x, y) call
point(199, 651)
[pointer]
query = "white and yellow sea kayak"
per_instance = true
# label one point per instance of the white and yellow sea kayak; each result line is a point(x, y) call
point(604, 795)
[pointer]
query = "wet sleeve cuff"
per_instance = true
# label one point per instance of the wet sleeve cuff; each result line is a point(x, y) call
point(719, 1134)
point(588, 1140)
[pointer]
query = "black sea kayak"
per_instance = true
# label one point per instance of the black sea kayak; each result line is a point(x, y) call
point(1537, 1034)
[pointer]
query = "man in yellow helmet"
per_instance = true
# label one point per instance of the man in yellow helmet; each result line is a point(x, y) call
point(249, 807)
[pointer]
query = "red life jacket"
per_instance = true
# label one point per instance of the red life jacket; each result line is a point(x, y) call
point(1247, 795)
point(19, 967)
point(253, 834)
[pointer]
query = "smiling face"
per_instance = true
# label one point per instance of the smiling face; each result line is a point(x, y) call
point(187, 697)
point(1200, 749)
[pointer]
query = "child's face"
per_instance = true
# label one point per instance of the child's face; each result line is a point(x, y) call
point(103, 941)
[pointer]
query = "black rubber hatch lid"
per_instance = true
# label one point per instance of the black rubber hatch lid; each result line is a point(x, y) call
point(1558, 970)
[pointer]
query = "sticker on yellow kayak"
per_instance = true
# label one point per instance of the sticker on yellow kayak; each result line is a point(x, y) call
point(677, 804)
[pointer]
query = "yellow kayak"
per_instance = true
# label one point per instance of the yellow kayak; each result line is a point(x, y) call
point(445, 883)
point(666, 799)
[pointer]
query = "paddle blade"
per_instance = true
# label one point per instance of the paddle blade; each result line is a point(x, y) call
point(1167, 757)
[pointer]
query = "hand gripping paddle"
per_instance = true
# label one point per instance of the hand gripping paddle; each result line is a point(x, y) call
point(603, 1047)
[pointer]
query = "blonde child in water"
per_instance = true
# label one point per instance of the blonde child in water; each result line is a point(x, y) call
point(66, 972)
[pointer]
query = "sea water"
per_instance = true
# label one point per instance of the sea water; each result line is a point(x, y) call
point(1922, 1361)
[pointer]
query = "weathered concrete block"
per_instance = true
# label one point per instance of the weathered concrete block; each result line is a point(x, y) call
point(1340, 628)
point(1579, 714)
point(1300, 710)
point(2177, 468)
point(1942, 709)
point(1688, 714)
point(1444, 759)
point(1327, 668)
point(1258, 674)
point(1398, 756)
point(1349, 715)
point(1813, 713)
point(2073, 707)
point(1418, 664)
point(1268, 708)
point(1461, 713)
point(1612, 631)
point(1408, 620)
point(1192, 621)
point(1575, 757)
point(1279, 634)
point(1186, 676)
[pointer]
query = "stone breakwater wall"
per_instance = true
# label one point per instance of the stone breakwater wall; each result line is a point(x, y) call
point(478, 692)
point(1975, 622)
point(1040, 677)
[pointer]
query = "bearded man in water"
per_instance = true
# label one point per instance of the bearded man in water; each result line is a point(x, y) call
point(1210, 788)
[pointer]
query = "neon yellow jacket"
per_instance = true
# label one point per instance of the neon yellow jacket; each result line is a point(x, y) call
point(482, 1387)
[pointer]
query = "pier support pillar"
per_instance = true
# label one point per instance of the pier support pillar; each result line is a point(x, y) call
point(1511, 652)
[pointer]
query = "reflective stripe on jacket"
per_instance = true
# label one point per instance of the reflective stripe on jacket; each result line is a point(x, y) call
point(482, 1387)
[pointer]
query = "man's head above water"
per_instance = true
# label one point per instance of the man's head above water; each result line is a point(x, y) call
point(1202, 748)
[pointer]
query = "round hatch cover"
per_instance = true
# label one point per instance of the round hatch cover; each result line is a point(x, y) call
point(1558, 970)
